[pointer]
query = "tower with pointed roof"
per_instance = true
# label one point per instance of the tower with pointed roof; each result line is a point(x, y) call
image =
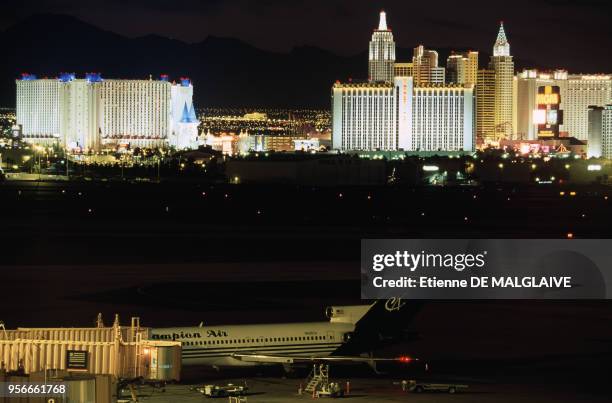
point(502, 65)
point(184, 133)
point(502, 46)
point(382, 52)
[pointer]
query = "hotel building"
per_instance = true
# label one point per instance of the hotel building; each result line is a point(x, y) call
point(443, 118)
point(92, 113)
point(600, 132)
point(577, 94)
point(401, 115)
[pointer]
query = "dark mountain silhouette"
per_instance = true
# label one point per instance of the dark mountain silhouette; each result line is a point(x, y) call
point(225, 71)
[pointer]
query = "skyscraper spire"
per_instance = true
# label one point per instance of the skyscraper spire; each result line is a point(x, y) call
point(382, 52)
point(382, 23)
point(502, 46)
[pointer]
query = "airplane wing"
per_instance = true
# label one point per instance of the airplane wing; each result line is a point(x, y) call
point(289, 359)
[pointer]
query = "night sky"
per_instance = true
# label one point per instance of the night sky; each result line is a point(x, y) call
point(563, 33)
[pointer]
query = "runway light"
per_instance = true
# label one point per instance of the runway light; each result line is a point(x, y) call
point(405, 359)
point(561, 193)
point(570, 235)
point(572, 193)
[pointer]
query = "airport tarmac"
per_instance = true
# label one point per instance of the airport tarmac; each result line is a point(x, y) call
point(276, 390)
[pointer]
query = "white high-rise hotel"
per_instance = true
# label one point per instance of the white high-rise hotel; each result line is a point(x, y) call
point(390, 114)
point(93, 113)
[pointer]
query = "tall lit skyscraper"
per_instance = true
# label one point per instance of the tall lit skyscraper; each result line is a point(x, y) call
point(462, 68)
point(454, 68)
point(382, 53)
point(503, 66)
point(485, 104)
point(425, 67)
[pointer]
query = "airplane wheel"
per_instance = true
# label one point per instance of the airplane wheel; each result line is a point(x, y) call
point(452, 390)
point(418, 389)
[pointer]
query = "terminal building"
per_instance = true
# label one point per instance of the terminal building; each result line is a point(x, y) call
point(397, 114)
point(88, 361)
point(92, 113)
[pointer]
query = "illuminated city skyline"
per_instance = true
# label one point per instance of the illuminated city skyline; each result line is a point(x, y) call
point(263, 82)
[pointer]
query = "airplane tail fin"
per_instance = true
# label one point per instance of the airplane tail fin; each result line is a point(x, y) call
point(383, 322)
point(393, 313)
point(347, 314)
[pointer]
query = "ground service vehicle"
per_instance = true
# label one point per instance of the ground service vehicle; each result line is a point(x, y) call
point(418, 387)
point(222, 391)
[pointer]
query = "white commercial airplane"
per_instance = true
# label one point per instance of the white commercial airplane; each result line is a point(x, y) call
point(350, 333)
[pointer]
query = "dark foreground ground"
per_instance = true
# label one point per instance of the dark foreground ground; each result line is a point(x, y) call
point(178, 255)
point(387, 390)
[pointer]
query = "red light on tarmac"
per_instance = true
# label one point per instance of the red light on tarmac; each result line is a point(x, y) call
point(405, 359)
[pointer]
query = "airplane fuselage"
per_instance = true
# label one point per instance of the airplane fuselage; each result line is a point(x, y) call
point(214, 346)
